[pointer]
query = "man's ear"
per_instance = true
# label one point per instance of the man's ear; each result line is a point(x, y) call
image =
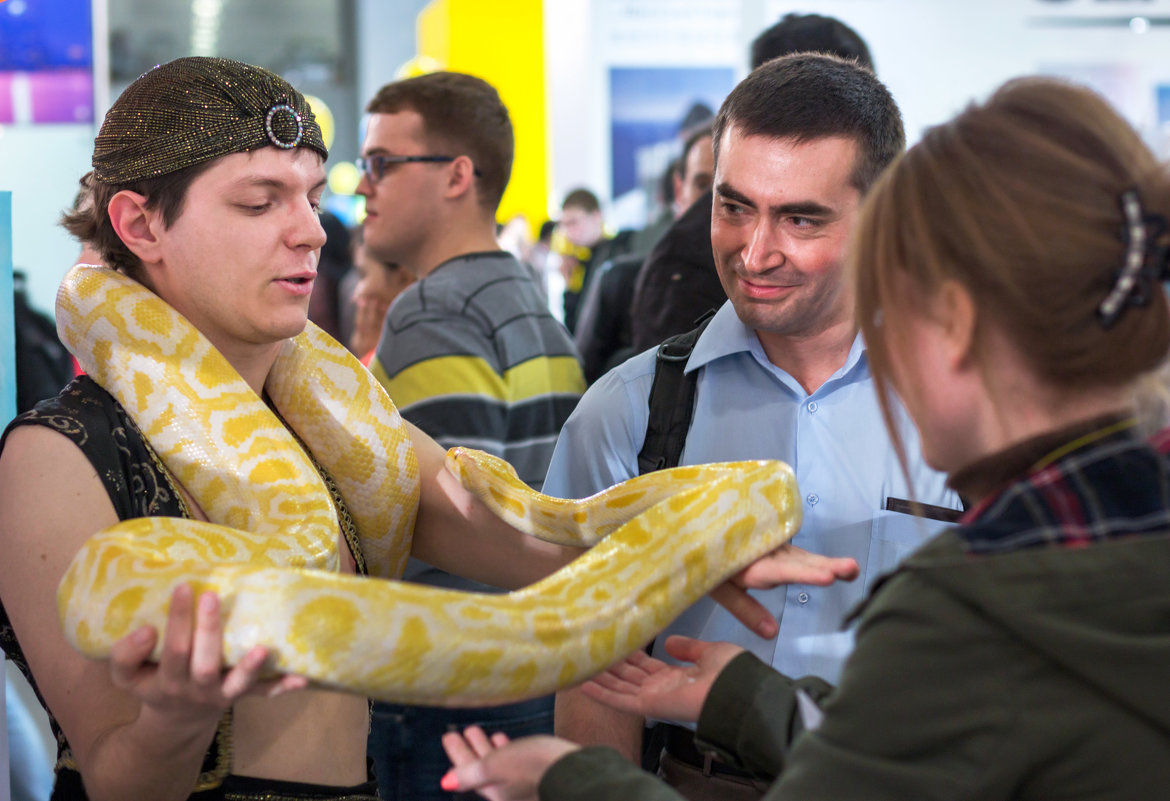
point(957, 317)
point(460, 177)
point(136, 225)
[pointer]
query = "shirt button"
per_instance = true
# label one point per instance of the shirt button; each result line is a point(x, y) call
point(812, 406)
point(803, 597)
point(813, 499)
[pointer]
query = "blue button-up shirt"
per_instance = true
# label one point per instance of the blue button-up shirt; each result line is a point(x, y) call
point(747, 408)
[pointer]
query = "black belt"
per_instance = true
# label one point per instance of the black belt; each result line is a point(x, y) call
point(679, 742)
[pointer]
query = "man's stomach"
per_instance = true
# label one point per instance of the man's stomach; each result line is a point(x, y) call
point(311, 736)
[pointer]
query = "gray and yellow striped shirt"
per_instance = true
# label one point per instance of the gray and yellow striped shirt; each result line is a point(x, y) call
point(471, 355)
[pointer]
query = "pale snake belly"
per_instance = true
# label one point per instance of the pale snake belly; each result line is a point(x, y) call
point(663, 540)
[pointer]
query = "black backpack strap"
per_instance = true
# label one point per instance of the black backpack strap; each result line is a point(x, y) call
point(672, 405)
point(672, 402)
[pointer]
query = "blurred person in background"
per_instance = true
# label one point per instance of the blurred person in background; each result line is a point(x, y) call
point(327, 299)
point(584, 246)
point(604, 331)
point(378, 284)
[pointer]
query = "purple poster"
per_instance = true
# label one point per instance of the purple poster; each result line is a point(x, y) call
point(46, 61)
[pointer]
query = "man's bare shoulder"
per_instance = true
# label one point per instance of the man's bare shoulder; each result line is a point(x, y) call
point(46, 481)
point(34, 454)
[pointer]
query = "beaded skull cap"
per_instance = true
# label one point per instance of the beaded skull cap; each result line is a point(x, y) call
point(194, 109)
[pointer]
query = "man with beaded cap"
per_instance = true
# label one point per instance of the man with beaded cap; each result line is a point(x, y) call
point(207, 178)
point(206, 182)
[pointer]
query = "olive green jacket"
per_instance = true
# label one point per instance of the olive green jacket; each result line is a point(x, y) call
point(1036, 674)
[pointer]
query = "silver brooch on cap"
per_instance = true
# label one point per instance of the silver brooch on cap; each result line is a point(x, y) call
point(271, 132)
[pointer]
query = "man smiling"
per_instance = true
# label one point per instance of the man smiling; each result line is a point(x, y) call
point(779, 373)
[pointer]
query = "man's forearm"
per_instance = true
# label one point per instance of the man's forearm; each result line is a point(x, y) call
point(585, 721)
point(148, 759)
point(457, 533)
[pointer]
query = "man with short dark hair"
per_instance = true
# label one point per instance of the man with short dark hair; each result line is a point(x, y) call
point(696, 167)
point(678, 283)
point(581, 220)
point(796, 33)
point(779, 372)
point(470, 353)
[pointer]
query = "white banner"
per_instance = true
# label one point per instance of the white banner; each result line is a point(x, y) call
point(1099, 8)
point(669, 31)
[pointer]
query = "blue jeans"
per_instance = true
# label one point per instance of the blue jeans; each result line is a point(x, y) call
point(407, 753)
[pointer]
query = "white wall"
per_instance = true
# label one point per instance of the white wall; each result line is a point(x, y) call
point(386, 38)
point(574, 91)
point(41, 165)
point(935, 55)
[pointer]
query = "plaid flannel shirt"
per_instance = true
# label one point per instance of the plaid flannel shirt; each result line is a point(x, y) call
point(1107, 483)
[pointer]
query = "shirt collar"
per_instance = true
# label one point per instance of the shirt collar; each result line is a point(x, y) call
point(727, 335)
point(470, 257)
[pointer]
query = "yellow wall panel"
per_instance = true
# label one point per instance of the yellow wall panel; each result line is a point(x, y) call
point(503, 43)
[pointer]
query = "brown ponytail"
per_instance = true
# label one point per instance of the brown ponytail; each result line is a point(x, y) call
point(1019, 199)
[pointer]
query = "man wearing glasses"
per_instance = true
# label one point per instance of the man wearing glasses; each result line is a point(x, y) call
point(469, 353)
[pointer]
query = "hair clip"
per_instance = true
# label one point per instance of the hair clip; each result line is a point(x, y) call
point(1142, 267)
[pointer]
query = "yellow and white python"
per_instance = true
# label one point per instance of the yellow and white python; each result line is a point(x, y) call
point(662, 540)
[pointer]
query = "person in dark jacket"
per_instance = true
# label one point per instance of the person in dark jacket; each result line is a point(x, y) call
point(43, 365)
point(1008, 275)
point(604, 335)
point(585, 246)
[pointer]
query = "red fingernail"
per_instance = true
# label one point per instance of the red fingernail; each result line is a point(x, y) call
point(450, 782)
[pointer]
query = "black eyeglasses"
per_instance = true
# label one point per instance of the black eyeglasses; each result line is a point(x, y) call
point(374, 167)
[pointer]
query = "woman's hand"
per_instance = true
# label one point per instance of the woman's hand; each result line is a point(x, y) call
point(497, 769)
point(651, 688)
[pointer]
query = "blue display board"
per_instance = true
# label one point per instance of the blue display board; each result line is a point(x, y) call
point(649, 105)
point(46, 61)
point(7, 335)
